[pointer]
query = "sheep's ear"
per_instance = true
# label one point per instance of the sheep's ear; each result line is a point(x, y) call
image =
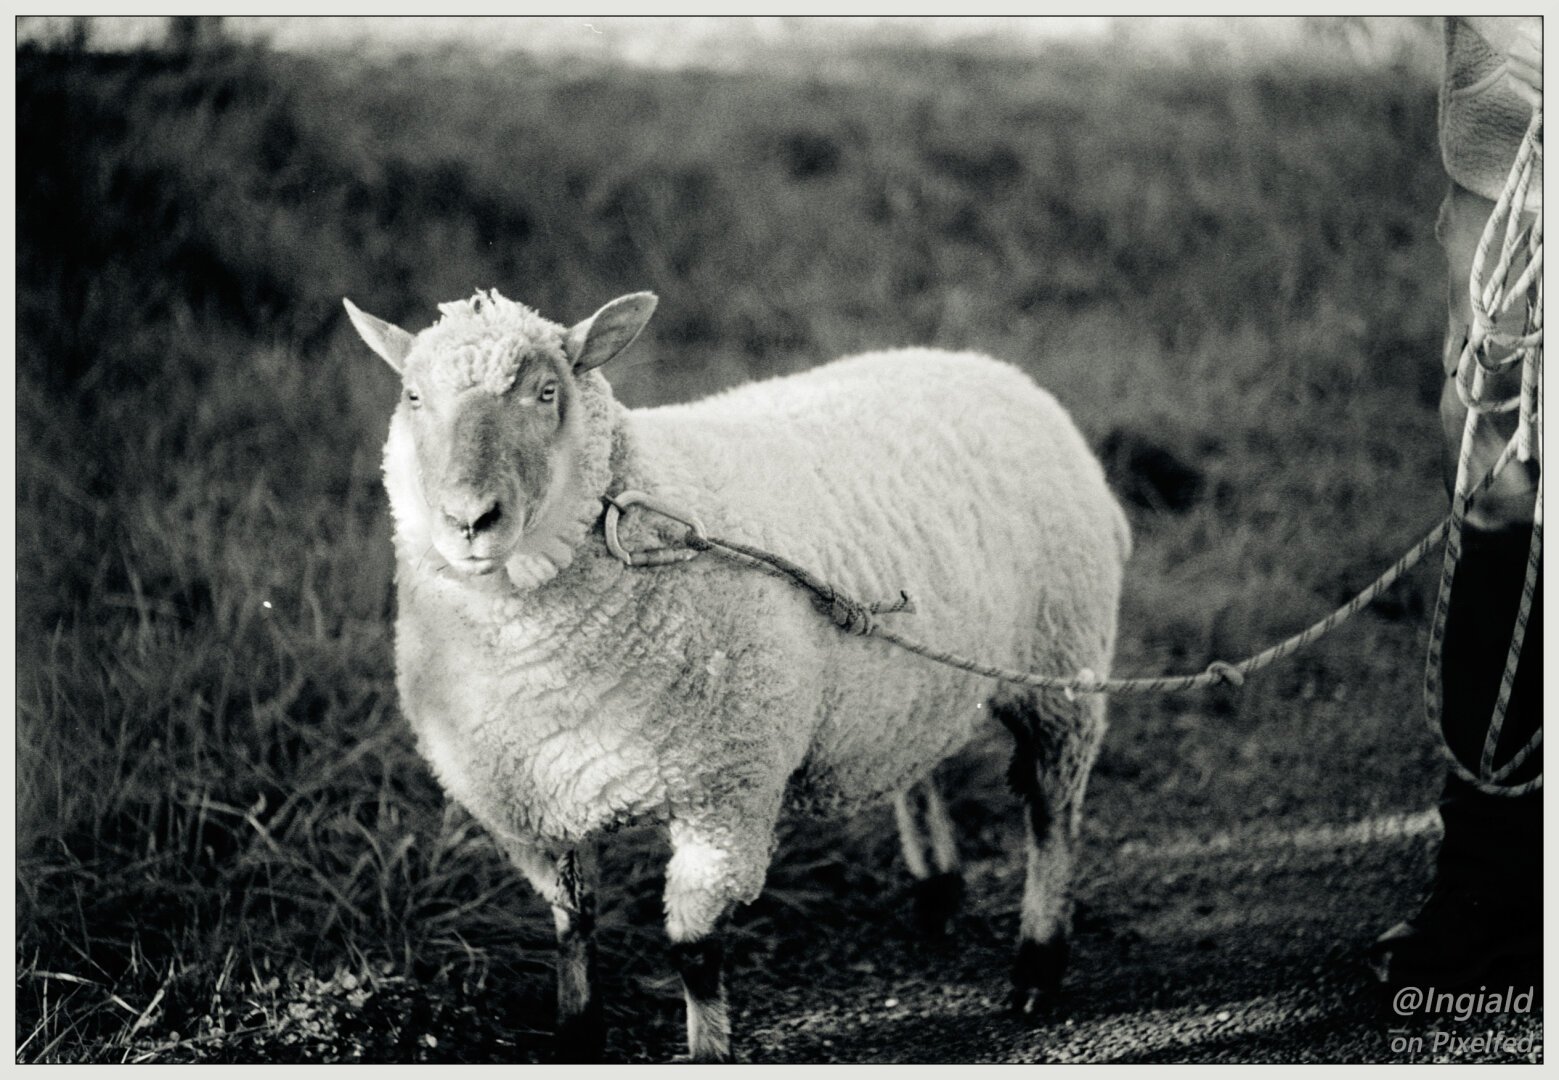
point(591, 343)
point(386, 339)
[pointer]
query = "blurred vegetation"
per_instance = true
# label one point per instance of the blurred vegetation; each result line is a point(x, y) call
point(1226, 271)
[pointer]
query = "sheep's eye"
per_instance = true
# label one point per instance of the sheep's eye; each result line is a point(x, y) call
point(548, 393)
point(413, 397)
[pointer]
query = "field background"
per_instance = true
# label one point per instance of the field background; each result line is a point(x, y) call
point(1213, 244)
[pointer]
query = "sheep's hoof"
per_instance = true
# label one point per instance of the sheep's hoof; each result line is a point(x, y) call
point(1036, 976)
point(580, 1038)
point(1032, 1005)
point(937, 899)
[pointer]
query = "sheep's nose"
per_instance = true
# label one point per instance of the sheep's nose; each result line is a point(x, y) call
point(472, 516)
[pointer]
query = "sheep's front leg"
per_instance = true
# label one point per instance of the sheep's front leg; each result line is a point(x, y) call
point(579, 1008)
point(567, 882)
point(701, 964)
point(711, 870)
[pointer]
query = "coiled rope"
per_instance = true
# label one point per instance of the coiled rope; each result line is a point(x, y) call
point(1491, 298)
point(1487, 352)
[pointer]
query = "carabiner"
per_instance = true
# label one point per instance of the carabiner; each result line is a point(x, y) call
point(615, 505)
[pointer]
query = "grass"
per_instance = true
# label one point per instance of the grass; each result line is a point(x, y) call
point(226, 842)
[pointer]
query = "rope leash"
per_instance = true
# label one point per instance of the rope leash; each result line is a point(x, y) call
point(1490, 298)
point(860, 618)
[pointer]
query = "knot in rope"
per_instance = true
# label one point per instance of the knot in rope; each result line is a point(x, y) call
point(1226, 673)
point(851, 616)
point(855, 617)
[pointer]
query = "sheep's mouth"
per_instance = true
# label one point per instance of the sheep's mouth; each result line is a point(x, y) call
point(475, 567)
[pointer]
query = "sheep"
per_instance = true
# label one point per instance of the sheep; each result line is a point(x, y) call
point(558, 693)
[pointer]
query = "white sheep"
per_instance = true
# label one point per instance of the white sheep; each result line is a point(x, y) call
point(558, 693)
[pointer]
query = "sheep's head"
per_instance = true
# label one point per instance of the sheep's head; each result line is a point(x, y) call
point(499, 446)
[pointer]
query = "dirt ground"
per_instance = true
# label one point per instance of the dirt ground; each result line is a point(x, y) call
point(1234, 948)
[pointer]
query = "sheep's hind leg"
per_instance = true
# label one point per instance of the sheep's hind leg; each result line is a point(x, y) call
point(931, 852)
point(568, 883)
point(1056, 742)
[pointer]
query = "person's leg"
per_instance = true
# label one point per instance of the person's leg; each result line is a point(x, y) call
point(1485, 907)
point(1484, 912)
